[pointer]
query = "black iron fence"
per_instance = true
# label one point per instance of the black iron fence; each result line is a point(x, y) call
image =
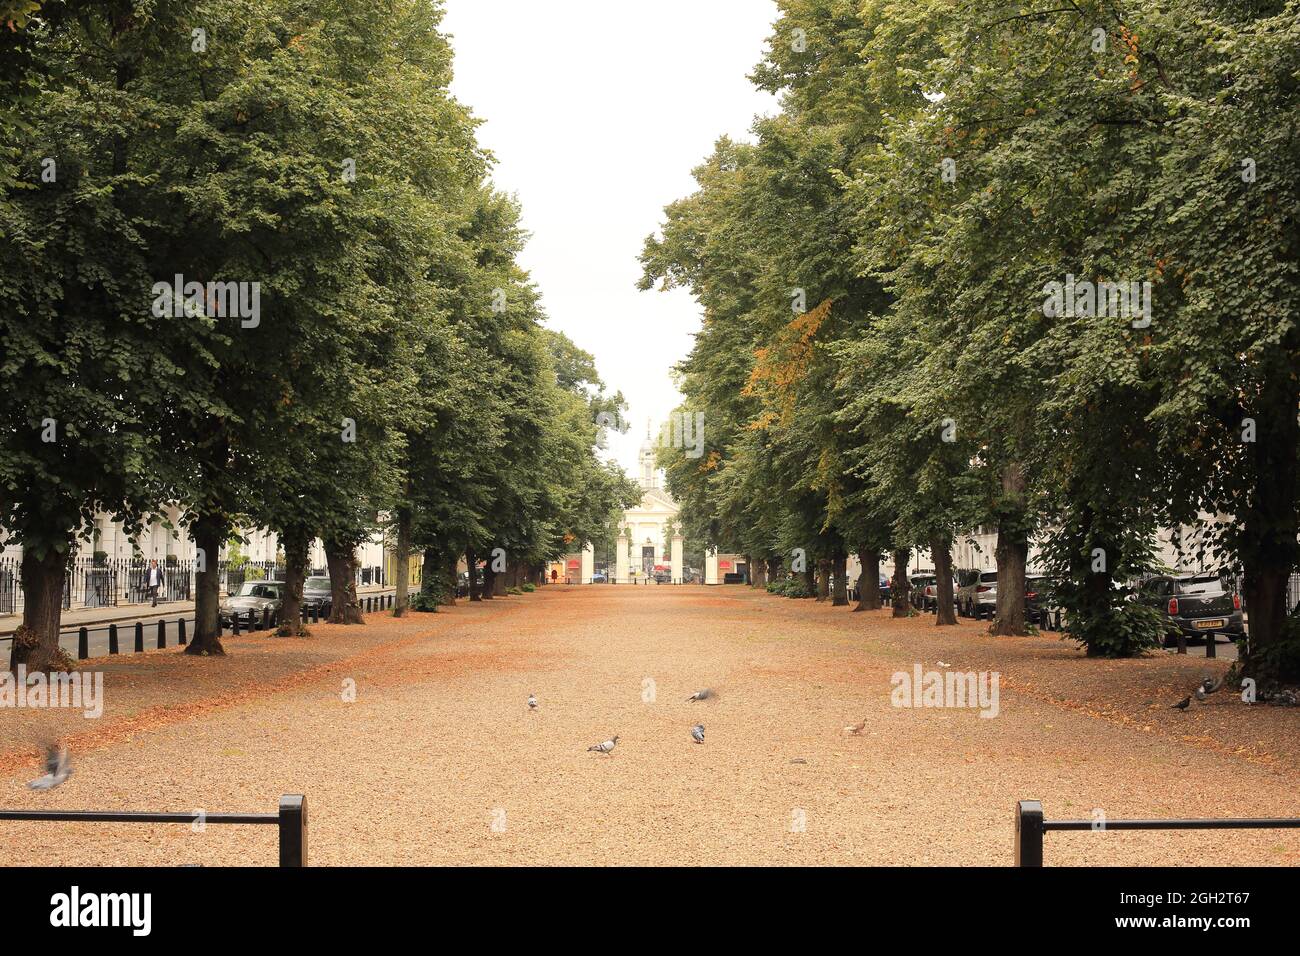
point(1031, 826)
point(116, 581)
point(291, 821)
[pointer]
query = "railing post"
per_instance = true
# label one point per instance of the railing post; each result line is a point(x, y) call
point(1029, 833)
point(83, 643)
point(293, 830)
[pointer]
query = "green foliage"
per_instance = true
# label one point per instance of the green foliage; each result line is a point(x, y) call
point(791, 587)
point(934, 166)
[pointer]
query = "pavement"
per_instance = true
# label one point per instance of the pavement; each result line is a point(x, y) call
point(414, 744)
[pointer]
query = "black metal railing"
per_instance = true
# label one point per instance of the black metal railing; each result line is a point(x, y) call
point(291, 820)
point(1031, 827)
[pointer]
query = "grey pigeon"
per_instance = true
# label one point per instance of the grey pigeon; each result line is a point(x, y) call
point(606, 747)
point(701, 695)
point(1182, 704)
point(1199, 693)
point(532, 701)
point(58, 769)
point(1210, 685)
point(698, 733)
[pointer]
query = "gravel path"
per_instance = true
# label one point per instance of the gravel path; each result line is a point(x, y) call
point(439, 761)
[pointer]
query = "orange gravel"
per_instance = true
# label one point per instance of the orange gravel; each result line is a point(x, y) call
point(439, 761)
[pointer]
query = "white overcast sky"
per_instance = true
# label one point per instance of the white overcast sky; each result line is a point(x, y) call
point(597, 111)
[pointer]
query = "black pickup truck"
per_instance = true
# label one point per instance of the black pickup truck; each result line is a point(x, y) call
point(1195, 605)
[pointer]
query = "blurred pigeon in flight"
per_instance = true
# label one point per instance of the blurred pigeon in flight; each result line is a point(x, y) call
point(58, 768)
point(701, 695)
point(1182, 704)
point(606, 747)
point(698, 733)
point(532, 701)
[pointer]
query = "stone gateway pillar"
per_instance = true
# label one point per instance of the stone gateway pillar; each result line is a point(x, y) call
point(711, 566)
point(588, 567)
point(620, 558)
point(677, 556)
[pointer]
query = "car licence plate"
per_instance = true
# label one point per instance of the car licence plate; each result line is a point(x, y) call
point(1209, 625)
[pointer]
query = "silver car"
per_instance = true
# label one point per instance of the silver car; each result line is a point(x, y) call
point(253, 598)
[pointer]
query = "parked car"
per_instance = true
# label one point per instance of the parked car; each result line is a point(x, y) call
point(1037, 611)
point(253, 598)
point(917, 594)
point(316, 594)
point(980, 597)
point(600, 577)
point(1196, 605)
point(930, 595)
point(885, 590)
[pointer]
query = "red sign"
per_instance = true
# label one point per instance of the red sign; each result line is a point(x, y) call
point(724, 565)
point(573, 564)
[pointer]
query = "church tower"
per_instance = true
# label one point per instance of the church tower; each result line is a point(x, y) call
point(648, 476)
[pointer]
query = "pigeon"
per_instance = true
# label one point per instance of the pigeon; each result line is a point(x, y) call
point(698, 733)
point(58, 769)
point(1199, 693)
point(701, 695)
point(1210, 685)
point(943, 664)
point(532, 701)
point(604, 748)
point(1182, 704)
point(856, 728)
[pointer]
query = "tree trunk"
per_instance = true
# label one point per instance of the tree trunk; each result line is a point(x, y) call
point(900, 589)
point(341, 561)
point(775, 569)
point(448, 573)
point(471, 560)
point(489, 582)
point(840, 589)
point(1269, 521)
point(207, 533)
point(36, 643)
point(810, 579)
point(823, 578)
point(402, 600)
point(868, 580)
point(941, 551)
point(296, 544)
point(434, 576)
point(1012, 554)
point(758, 574)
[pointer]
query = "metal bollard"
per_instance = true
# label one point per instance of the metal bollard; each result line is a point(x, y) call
point(1029, 833)
point(266, 618)
point(293, 830)
point(234, 625)
point(180, 632)
point(1210, 649)
point(162, 633)
point(112, 638)
point(139, 637)
point(83, 644)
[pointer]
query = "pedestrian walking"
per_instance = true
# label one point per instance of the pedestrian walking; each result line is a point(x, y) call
point(154, 580)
